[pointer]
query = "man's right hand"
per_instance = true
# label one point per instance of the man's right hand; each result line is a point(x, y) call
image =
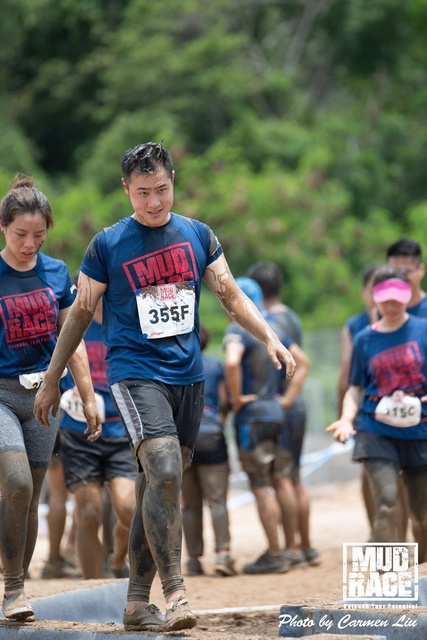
point(47, 396)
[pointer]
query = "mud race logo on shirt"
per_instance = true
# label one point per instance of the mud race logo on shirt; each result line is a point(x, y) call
point(29, 317)
point(401, 362)
point(378, 572)
point(175, 263)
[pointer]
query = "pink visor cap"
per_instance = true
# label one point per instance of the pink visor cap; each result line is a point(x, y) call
point(393, 289)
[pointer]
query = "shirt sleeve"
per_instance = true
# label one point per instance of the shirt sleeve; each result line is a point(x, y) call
point(93, 264)
point(358, 365)
point(69, 294)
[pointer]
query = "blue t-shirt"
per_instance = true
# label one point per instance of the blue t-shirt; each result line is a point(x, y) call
point(357, 322)
point(214, 375)
point(112, 427)
point(211, 447)
point(259, 376)
point(129, 256)
point(386, 362)
point(361, 320)
point(291, 329)
point(30, 302)
point(420, 309)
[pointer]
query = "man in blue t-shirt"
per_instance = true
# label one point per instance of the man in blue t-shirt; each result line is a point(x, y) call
point(149, 268)
point(296, 503)
point(258, 402)
point(88, 467)
point(407, 255)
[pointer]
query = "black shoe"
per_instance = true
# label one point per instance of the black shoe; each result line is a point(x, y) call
point(312, 557)
point(194, 567)
point(60, 568)
point(268, 563)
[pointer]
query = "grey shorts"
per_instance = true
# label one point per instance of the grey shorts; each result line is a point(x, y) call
point(19, 429)
point(405, 453)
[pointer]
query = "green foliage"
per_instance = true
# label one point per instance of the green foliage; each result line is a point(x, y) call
point(298, 129)
point(80, 212)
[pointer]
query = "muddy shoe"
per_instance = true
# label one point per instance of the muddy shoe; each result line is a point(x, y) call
point(268, 563)
point(179, 615)
point(17, 607)
point(224, 565)
point(295, 558)
point(312, 557)
point(145, 618)
point(194, 567)
point(121, 572)
point(60, 568)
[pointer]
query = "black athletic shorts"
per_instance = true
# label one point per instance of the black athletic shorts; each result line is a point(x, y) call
point(98, 461)
point(151, 409)
point(405, 453)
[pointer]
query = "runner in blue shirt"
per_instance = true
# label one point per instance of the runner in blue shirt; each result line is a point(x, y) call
point(351, 328)
point(388, 383)
point(207, 477)
point(407, 254)
point(296, 509)
point(149, 269)
point(90, 466)
point(264, 442)
point(35, 296)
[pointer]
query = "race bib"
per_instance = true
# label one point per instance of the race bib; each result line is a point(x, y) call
point(166, 310)
point(73, 405)
point(399, 410)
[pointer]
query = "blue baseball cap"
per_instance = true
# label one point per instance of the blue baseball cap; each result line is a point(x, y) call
point(252, 289)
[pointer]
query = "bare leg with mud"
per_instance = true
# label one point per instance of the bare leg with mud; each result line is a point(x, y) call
point(156, 532)
point(383, 476)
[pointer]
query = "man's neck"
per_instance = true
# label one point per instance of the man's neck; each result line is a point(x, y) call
point(275, 305)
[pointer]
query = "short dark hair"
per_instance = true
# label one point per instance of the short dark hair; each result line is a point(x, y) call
point(388, 271)
point(145, 158)
point(269, 277)
point(405, 247)
point(368, 272)
point(24, 198)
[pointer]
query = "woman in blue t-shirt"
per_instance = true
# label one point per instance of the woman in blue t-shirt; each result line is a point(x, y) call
point(35, 295)
point(388, 384)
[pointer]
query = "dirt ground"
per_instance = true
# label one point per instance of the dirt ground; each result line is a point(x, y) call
point(244, 606)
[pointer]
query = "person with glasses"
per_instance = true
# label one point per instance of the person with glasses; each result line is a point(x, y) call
point(149, 268)
point(407, 254)
point(388, 384)
point(36, 294)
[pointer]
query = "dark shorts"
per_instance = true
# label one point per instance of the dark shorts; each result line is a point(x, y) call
point(98, 461)
point(151, 409)
point(294, 428)
point(56, 455)
point(405, 453)
point(264, 453)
